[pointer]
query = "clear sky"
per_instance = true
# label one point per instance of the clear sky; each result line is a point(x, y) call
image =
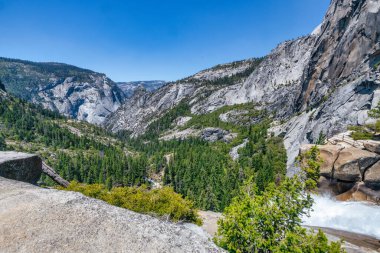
point(151, 39)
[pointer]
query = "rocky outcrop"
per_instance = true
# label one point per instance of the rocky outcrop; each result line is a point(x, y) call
point(347, 170)
point(234, 152)
point(180, 134)
point(20, 166)
point(212, 134)
point(352, 163)
point(33, 219)
point(373, 146)
point(74, 92)
point(328, 154)
point(372, 176)
point(27, 168)
point(182, 121)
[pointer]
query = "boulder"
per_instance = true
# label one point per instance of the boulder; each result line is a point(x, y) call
point(20, 166)
point(352, 162)
point(372, 146)
point(372, 176)
point(333, 187)
point(212, 134)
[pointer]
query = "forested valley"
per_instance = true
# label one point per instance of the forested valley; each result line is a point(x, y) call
point(202, 171)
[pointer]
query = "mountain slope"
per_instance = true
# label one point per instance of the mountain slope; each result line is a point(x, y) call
point(78, 93)
point(144, 107)
point(319, 83)
point(130, 87)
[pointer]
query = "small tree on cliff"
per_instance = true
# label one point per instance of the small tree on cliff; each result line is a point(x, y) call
point(310, 163)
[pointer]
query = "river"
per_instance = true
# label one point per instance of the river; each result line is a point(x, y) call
point(357, 217)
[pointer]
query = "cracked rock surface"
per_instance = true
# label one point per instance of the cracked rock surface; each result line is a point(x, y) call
point(33, 219)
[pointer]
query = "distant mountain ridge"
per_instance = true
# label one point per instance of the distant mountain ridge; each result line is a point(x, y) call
point(129, 87)
point(72, 91)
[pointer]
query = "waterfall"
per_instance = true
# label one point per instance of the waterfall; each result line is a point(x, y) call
point(357, 217)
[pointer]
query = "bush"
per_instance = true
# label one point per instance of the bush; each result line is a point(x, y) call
point(271, 221)
point(161, 202)
point(310, 164)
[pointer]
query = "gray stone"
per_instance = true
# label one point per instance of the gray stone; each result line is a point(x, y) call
point(352, 163)
point(372, 176)
point(212, 134)
point(74, 92)
point(20, 166)
point(372, 146)
point(34, 219)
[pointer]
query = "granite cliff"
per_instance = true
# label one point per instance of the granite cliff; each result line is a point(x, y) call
point(74, 92)
point(319, 83)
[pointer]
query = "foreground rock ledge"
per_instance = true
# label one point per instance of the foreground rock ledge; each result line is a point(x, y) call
point(33, 219)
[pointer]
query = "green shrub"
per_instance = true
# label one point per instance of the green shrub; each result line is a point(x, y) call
point(361, 135)
point(162, 202)
point(271, 221)
point(311, 164)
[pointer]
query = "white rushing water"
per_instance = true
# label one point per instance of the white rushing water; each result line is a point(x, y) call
point(357, 217)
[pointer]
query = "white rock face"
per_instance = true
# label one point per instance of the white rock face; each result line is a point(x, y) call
point(181, 121)
point(234, 153)
point(180, 135)
point(78, 93)
point(223, 70)
point(33, 219)
point(90, 102)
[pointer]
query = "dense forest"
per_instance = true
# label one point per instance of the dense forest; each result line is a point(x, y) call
point(202, 171)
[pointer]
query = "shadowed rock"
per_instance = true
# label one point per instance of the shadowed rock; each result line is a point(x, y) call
point(372, 176)
point(352, 162)
point(20, 166)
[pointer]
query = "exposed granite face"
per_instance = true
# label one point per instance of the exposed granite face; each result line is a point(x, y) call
point(34, 219)
point(20, 166)
point(78, 93)
point(348, 168)
point(91, 101)
point(372, 176)
point(144, 107)
point(322, 82)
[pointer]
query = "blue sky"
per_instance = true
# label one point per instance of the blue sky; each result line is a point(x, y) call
point(147, 39)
